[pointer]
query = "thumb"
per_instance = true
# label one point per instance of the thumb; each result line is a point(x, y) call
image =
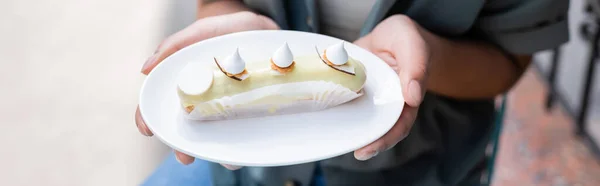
point(412, 76)
point(401, 38)
point(409, 60)
point(174, 43)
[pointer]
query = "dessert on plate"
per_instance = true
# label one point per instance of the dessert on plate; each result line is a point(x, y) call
point(281, 84)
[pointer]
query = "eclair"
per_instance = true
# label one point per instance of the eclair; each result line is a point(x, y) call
point(282, 83)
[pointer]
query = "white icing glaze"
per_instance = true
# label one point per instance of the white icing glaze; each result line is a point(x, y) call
point(233, 64)
point(283, 57)
point(195, 79)
point(336, 54)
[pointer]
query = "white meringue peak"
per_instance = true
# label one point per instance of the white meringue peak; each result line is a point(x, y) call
point(336, 54)
point(234, 64)
point(283, 57)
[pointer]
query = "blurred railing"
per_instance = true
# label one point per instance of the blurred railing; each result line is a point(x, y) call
point(590, 31)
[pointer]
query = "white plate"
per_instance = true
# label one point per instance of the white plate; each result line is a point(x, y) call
point(274, 140)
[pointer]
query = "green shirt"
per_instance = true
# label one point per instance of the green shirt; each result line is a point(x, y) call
point(447, 143)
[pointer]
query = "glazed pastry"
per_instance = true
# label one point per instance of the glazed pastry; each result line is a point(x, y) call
point(281, 84)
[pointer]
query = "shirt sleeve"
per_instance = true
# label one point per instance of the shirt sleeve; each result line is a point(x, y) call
point(525, 26)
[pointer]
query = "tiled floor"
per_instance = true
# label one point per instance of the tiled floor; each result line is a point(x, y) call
point(540, 148)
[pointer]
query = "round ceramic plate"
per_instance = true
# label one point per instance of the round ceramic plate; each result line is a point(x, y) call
point(272, 140)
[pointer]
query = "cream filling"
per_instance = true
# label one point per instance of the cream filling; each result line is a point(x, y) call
point(281, 98)
point(273, 100)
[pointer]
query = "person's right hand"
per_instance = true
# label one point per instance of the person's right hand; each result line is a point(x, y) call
point(200, 30)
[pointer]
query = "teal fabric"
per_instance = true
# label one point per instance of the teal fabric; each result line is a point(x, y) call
point(524, 26)
point(448, 140)
point(496, 139)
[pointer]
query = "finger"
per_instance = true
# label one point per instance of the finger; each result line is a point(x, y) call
point(172, 44)
point(207, 28)
point(141, 125)
point(389, 59)
point(364, 42)
point(396, 134)
point(401, 37)
point(231, 167)
point(412, 77)
point(268, 23)
point(183, 158)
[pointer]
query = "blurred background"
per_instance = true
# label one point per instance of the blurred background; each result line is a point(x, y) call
point(69, 82)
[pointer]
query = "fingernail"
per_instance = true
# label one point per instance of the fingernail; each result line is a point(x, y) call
point(405, 135)
point(231, 167)
point(149, 61)
point(414, 91)
point(178, 160)
point(390, 147)
point(146, 133)
point(366, 156)
point(143, 130)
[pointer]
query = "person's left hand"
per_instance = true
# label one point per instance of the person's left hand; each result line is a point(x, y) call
point(401, 43)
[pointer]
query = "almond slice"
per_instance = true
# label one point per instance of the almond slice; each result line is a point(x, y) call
point(189, 109)
point(346, 68)
point(280, 69)
point(242, 75)
point(239, 77)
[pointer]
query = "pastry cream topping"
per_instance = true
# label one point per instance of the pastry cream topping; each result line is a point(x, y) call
point(234, 64)
point(283, 57)
point(336, 54)
point(282, 61)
